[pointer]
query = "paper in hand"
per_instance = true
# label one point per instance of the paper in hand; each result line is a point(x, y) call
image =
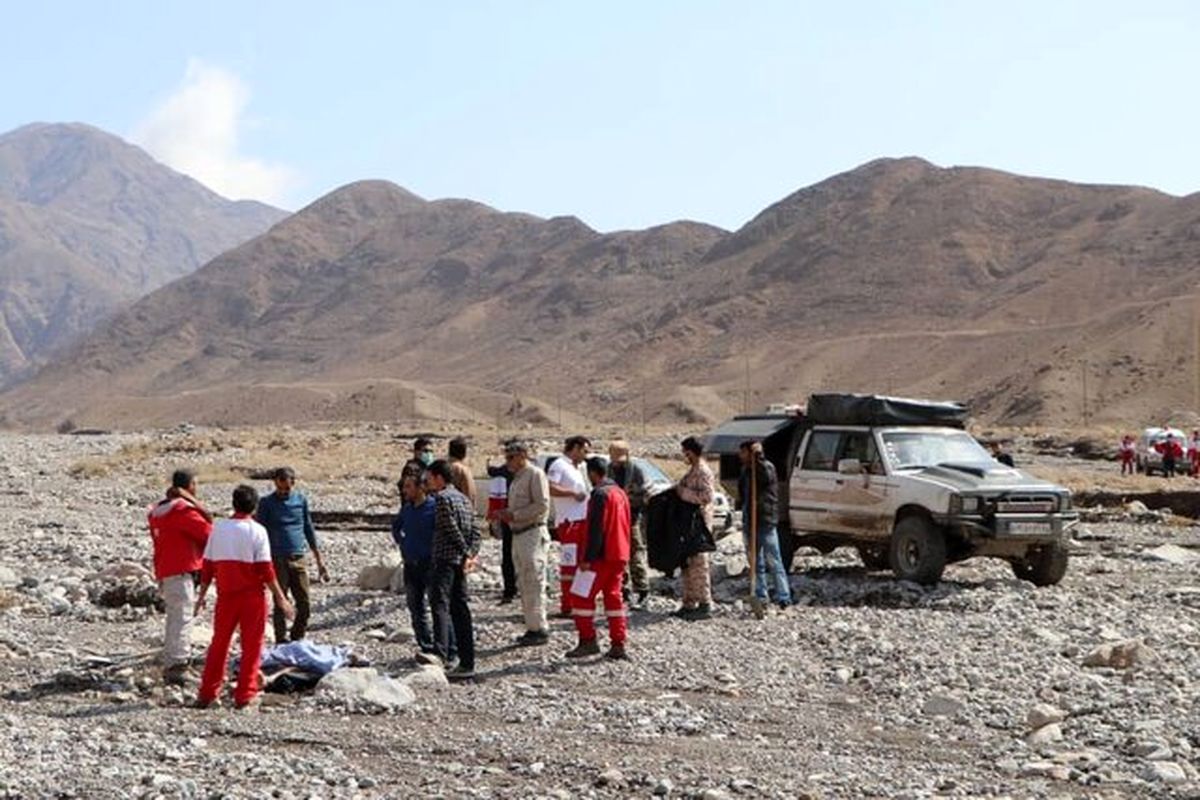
point(582, 585)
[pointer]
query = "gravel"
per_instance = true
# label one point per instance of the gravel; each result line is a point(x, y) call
point(981, 686)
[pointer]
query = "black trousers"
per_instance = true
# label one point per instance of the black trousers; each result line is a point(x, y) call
point(452, 614)
point(508, 568)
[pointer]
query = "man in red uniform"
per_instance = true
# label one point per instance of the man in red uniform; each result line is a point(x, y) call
point(238, 557)
point(604, 550)
point(179, 529)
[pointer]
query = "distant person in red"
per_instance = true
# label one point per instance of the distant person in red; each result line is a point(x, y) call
point(1172, 454)
point(179, 528)
point(604, 550)
point(1128, 454)
point(238, 557)
point(1194, 454)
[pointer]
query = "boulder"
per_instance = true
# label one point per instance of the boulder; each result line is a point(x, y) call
point(430, 676)
point(1164, 772)
point(1118, 655)
point(1172, 554)
point(734, 566)
point(8, 578)
point(1046, 734)
point(363, 689)
point(378, 575)
point(1043, 714)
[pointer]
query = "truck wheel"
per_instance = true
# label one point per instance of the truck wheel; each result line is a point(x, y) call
point(918, 551)
point(874, 557)
point(1044, 566)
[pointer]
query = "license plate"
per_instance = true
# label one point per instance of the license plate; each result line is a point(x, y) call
point(1029, 528)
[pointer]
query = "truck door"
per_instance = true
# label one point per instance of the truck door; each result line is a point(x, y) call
point(813, 485)
point(860, 506)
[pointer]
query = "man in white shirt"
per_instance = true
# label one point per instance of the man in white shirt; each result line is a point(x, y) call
point(569, 493)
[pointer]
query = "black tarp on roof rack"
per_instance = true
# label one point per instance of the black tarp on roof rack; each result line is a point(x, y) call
point(871, 409)
point(731, 433)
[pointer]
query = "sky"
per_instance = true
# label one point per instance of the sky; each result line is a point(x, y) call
point(624, 114)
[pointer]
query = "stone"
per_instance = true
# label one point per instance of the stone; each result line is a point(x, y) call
point(1164, 772)
point(430, 676)
point(396, 585)
point(378, 576)
point(8, 578)
point(735, 565)
point(1172, 554)
point(364, 688)
point(1118, 655)
point(1046, 734)
point(610, 777)
point(663, 788)
point(943, 705)
point(1043, 714)
point(843, 675)
point(1137, 508)
point(1046, 769)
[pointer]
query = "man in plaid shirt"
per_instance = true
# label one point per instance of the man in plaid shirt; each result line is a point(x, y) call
point(455, 546)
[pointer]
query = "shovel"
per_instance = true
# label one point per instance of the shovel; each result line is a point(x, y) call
point(756, 605)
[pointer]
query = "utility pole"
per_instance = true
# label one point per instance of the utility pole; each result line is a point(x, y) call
point(746, 392)
point(1084, 365)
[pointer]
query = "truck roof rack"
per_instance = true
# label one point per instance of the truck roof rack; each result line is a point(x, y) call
point(873, 409)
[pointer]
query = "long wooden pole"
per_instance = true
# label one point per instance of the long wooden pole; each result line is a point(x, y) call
point(754, 602)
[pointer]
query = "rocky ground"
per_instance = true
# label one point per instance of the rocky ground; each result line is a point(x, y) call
point(981, 686)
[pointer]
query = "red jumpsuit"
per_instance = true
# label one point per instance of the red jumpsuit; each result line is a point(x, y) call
point(605, 550)
point(238, 556)
point(571, 537)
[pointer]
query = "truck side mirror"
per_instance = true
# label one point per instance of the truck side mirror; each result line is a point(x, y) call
point(850, 466)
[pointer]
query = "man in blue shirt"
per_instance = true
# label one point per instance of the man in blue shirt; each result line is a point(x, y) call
point(412, 529)
point(289, 526)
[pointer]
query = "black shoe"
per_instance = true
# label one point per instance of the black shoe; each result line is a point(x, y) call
point(584, 649)
point(507, 599)
point(642, 597)
point(564, 615)
point(617, 653)
point(176, 675)
point(461, 673)
point(703, 611)
point(533, 638)
point(683, 613)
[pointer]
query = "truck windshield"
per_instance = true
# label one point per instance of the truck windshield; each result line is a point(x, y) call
point(909, 449)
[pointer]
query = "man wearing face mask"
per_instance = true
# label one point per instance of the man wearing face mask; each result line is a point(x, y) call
point(422, 457)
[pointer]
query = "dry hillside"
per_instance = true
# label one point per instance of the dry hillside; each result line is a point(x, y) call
point(88, 224)
point(898, 276)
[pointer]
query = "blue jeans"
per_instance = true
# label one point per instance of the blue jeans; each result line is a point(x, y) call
point(768, 553)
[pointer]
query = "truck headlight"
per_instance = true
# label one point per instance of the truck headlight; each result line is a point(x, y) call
point(970, 505)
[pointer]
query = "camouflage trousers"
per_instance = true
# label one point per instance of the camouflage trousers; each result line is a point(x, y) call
point(697, 583)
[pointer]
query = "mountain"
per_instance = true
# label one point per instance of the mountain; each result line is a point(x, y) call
point(88, 224)
point(899, 276)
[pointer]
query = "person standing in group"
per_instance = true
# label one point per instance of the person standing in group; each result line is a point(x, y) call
point(696, 487)
point(455, 546)
point(627, 474)
point(1193, 454)
point(179, 530)
point(604, 552)
point(525, 514)
point(500, 478)
point(1127, 454)
point(238, 558)
point(463, 480)
point(1172, 452)
point(285, 515)
point(412, 530)
point(569, 492)
point(422, 457)
point(758, 479)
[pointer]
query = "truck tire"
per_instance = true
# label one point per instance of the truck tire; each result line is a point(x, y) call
point(1044, 566)
point(874, 557)
point(918, 551)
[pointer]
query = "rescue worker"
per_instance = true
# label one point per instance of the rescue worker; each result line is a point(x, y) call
point(604, 552)
point(1194, 454)
point(238, 558)
point(1127, 452)
point(568, 492)
point(179, 529)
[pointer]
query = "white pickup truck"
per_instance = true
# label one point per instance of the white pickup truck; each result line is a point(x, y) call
point(906, 485)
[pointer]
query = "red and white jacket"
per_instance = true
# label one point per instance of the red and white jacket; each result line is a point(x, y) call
point(238, 556)
point(179, 533)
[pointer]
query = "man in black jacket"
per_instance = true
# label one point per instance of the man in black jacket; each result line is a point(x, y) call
point(764, 488)
point(629, 476)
